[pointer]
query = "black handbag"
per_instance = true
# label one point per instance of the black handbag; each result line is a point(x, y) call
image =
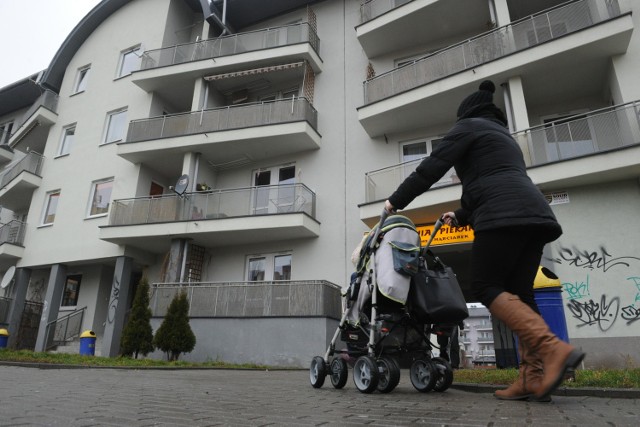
point(435, 295)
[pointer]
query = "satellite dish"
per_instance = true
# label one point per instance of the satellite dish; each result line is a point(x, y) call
point(8, 277)
point(182, 184)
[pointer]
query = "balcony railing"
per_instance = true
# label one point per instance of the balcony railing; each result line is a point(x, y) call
point(215, 204)
point(580, 135)
point(12, 232)
point(283, 298)
point(370, 9)
point(231, 45)
point(32, 162)
point(5, 306)
point(48, 100)
point(517, 36)
point(225, 118)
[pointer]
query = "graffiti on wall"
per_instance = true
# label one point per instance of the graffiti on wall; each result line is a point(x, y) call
point(612, 297)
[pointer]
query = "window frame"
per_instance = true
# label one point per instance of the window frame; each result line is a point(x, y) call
point(81, 81)
point(77, 278)
point(64, 143)
point(47, 205)
point(109, 121)
point(270, 266)
point(122, 71)
point(92, 195)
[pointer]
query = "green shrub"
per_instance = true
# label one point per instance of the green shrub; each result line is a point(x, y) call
point(137, 335)
point(174, 336)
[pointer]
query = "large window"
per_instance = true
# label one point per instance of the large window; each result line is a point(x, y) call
point(129, 61)
point(51, 206)
point(269, 267)
point(100, 197)
point(71, 291)
point(116, 125)
point(414, 151)
point(5, 132)
point(68, 136)
point(81, 79)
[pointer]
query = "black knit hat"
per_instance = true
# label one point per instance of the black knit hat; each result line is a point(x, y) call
point(484, 96)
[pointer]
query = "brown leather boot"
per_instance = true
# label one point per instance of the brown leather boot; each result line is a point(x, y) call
point(556, 355)
point(518, 390)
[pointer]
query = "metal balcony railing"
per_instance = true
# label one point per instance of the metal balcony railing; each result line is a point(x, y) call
point(215, 204)
point(224, 118)
point(231, 45)
point(48, 99)
point(580, 135)
point(286, 298)
point(32, 162)
point(514, 37)
point(5, 305)
point(12, 232)
point(370, 9)
point(64, 329)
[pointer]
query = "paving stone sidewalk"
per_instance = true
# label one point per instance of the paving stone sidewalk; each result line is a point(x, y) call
point(217, 397)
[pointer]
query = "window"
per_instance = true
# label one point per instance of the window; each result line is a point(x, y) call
point(81, 79)
point(5, 132)
point(413, 151)
point(68, 136)
point(129, 61)
point(274, 192)
point(51, 207)
point(269, 267)
point(100, 197)
point(116, 123)
point(71, 291)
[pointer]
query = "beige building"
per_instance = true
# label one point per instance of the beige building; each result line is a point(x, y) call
point(240, 148)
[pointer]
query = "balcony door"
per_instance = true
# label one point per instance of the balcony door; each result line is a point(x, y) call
point(274, 191)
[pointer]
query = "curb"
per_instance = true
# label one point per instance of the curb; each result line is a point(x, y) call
point(611, 393)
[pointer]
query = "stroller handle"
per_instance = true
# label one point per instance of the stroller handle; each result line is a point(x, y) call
point(436, 227)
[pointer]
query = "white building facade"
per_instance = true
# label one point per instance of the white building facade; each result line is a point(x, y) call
point(238, 149)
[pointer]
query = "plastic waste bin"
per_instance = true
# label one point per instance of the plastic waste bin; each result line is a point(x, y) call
point(547, 290)
point(88, 343)
point(4, 337)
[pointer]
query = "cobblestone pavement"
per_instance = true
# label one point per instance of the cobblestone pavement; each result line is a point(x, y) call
point(120, 397)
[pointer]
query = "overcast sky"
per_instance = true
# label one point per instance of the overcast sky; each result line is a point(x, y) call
point(32, 31)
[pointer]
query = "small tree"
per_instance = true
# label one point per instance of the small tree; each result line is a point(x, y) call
point(137, 335)
point(174, 336)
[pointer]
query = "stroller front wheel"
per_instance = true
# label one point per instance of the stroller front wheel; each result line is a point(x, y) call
point(339, 373)
point(445, 374)
point(317, 372)
point(365, 374)
point(389, 373)
point(423, 374)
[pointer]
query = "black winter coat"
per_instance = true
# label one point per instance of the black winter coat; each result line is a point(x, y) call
point(496, 190)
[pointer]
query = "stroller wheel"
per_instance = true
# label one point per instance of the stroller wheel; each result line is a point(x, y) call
point(365, 374)
point(317, 372)
point(339, 372)
point(389, 373)
point(445, 374)
point(423, 374)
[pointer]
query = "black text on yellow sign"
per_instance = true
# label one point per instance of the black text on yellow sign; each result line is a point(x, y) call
point(446, 235)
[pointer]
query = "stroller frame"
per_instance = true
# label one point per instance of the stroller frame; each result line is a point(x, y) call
point(376, 366)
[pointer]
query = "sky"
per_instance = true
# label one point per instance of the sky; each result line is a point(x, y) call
point(32, 31)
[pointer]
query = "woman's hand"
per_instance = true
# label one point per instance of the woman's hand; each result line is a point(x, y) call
point(389, 207)
point(449, 218)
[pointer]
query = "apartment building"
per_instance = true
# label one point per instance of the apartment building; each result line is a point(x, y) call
point(239, 149)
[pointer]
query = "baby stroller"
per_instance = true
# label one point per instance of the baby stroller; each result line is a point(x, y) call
point(378, 325)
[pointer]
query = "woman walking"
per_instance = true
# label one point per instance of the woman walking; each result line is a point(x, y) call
point(512, 222)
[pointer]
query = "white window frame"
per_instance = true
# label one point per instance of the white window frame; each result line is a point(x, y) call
point(49, 208)
point(82, 77)
point(123, 64)
point(92, 196)
point(449, 178)
point(269, 261)
point(109, 121)
point(67, 140)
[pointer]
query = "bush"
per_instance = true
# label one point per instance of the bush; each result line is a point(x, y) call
point(174, 336)
point(137, 335)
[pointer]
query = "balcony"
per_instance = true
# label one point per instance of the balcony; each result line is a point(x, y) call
point(11, 243)
point(6, 153)
point(577, 39)
point(596, 147)
point(175, 68)
point(388, 24)
point(214, 218)
point(33, 128)
point(233, 134)
point(281, 298)
point(18, 182)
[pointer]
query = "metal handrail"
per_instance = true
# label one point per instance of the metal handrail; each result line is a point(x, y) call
point(32, 163)
point(230, 45)
point(516, 36)
point(68, 335)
